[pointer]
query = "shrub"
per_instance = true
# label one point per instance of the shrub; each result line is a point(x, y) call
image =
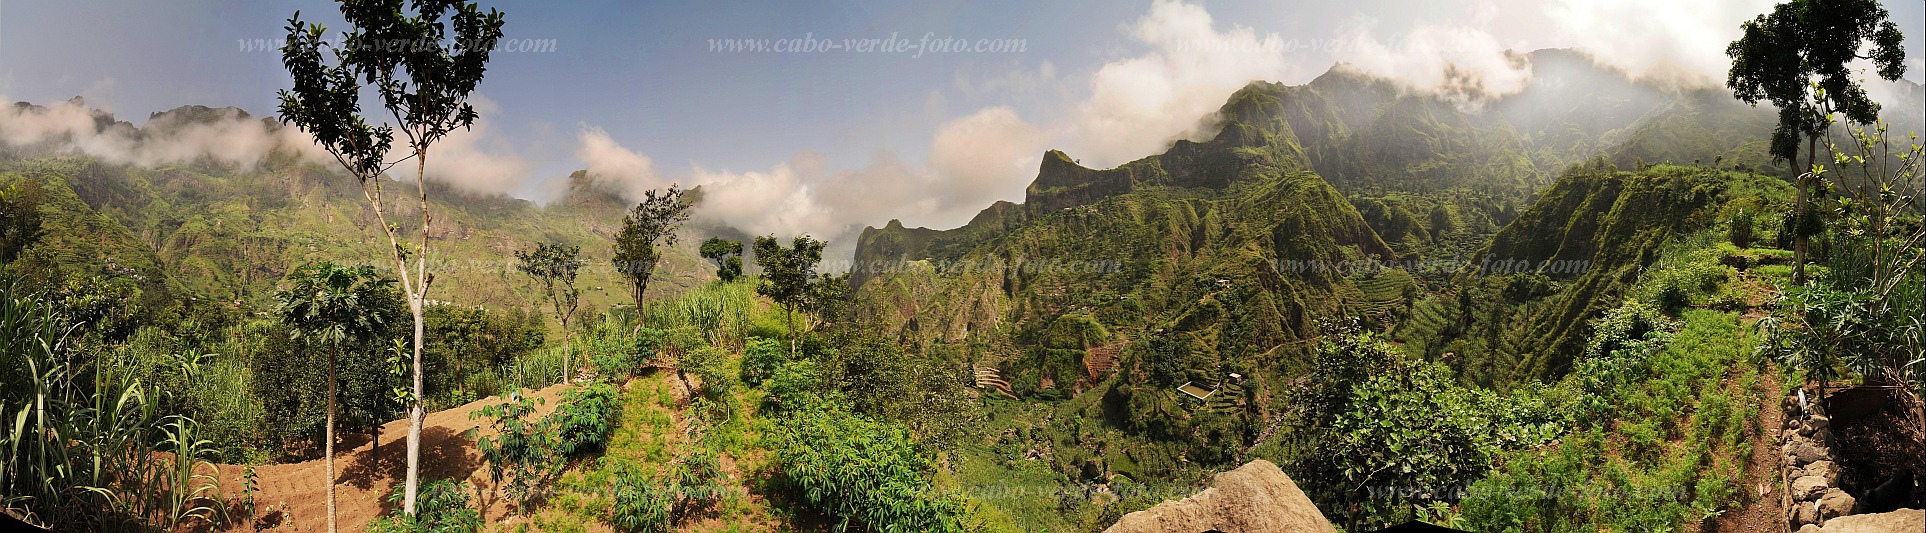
point(693, 483)
point(584, 420)
point(1741, 228)
point(794, 385)
point(521, 454)
point(441, 506)
point(761, 358)
point(641, 505)
point(861, 472)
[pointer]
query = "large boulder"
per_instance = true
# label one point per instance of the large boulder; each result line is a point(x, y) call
point(1896, 521)
point(1804, 452)
point(1809, 487)
point(1835, 503)
point(1254, 497)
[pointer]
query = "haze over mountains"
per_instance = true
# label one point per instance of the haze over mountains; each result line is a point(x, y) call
point(1364, 133)
point(1357, 132)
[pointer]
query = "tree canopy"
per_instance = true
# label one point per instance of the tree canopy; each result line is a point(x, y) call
point(651, 223)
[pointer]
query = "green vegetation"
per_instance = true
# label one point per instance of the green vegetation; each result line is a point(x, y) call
point(1402, 300)
point(860, 471)
point(1662, 440)
point(522, 454)
point(327, 303)
point(445, 508)
point(726, 254)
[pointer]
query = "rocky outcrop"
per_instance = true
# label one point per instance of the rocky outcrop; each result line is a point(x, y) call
point(1254, 497)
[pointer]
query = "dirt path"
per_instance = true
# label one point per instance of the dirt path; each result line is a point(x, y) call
point(1760, 491)
point(293, 497)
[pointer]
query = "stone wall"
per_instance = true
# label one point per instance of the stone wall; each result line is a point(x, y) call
point(1811, 476)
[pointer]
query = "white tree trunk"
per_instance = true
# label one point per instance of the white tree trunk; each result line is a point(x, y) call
point(328, 447)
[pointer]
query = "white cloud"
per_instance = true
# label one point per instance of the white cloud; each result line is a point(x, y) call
point(974, 160)
point(475, 161)
point(984, 157)
point(625, 171)
point(1461, 63)
point(227, 137)
point(1138, 105)
point(1656, 37)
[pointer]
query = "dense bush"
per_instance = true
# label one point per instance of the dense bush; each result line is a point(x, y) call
point(861, 471)
point(794, 385)
point(761, 358)
point(1383, 437)
point(1741, 228)
point(464, 341)
point(585, 418)
point(1663, 444)
point(441, 506)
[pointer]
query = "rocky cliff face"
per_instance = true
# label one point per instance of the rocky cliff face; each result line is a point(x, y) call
point(1254, 497)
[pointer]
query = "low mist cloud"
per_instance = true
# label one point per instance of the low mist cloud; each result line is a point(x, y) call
point(1461, 64)
point(227, 137)
point(471, 160)
point(972, 159)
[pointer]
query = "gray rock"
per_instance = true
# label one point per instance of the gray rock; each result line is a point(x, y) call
point(1804, 453)
point(1809, 487)
point(1901, 520)
point(1818, 422)
point(1825, 470)
point(1803, 514)
point(1835, 503)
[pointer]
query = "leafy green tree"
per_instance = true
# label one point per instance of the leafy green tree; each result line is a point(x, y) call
point(829, 296)
point(554, 266)
point(324, 304)
point(1805, 44)
point(652, 222)
point(1380, 421)
point(726, 254)
point(789, 276)
point(467, 345)
point(425, 85)
point(20, 218)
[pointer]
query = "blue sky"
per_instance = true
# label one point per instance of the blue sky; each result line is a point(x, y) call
point(815, 141)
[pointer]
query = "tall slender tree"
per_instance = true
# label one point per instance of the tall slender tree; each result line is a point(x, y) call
point(325, 303)
point(650, 224)
point(423, 59)
point(554, 266)
point(1802, 44)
